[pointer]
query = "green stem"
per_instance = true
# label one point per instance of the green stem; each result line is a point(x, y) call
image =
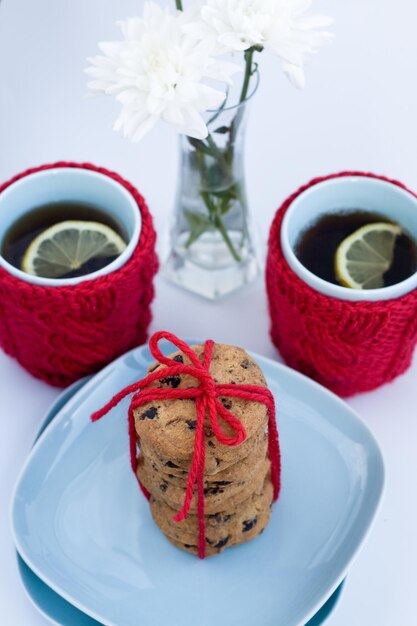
point(214, 209)
point(220, 226)
point(218, 223)
point(218, 154)
point(249, 71)
point(219, 110)
point(208, 202)
point(248, 74)
point(178, 4)
point(211, 149)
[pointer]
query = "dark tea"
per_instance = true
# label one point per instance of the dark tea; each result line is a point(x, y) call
point(25, 230)
point(317, 246)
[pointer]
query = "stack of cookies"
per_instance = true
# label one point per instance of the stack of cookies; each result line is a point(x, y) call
point(237, 483)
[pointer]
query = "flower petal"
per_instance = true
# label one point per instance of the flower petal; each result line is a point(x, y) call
point(295, 74)
point(192, 124)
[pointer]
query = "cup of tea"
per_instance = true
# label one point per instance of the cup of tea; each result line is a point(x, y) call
point(342, 280)
point(77, 261)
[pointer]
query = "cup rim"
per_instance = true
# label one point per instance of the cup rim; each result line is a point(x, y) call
point(107, 269)
point(319, 284)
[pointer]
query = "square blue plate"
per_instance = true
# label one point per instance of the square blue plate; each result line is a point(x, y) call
point(82, 526)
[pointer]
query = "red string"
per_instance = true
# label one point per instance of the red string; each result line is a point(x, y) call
point(207, 405)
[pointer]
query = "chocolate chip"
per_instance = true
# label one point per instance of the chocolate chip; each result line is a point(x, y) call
point(171, 476)
point(189, 546)
point(213, 491)
point(246, 364)
point(178, 358)
point(153, 368)
point(154, 467)
point(211, 445)
point(149, 414)
point(191, 424)
point(249, 524)
point(221, 483)
point(226, 403)
point(219, 544)
point(208, 431)
point(222, 542)
point(163, 486)
point(171, 464)
point(171, 381)
point(220, 518)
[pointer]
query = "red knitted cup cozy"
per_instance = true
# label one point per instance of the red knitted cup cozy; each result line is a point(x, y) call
point(62, 333)
point(207, 406)
point(347, 346)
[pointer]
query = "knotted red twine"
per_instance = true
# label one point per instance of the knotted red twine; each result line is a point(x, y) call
point(207, 405)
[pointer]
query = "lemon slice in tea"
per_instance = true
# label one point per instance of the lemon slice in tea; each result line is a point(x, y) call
point(362, 259)
point(67, 246)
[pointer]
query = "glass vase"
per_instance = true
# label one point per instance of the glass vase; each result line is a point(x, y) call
point(212, 249)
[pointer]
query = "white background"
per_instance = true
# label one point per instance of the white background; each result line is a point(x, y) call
point(359, 111)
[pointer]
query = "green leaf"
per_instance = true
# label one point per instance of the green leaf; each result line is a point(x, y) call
point(208, 201)
point(225, 205)
point(229, 193)
point(198, 224)
point(201, 146)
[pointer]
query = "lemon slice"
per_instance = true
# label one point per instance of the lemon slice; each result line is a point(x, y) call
point(362, 259)
point(68, 245)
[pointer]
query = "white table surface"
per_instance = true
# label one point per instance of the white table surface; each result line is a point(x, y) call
point(359, 111)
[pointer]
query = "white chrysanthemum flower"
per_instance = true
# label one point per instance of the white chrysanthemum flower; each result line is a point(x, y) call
point(280, 26)
point(157, 72)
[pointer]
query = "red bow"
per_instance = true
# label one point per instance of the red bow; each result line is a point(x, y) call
point(207, 404)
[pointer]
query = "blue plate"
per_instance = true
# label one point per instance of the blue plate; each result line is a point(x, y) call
point(62, 613)
point(81, 526)
point(54, 608)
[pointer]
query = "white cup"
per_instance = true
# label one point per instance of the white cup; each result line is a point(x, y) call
point(338, 194)
point(69, 184)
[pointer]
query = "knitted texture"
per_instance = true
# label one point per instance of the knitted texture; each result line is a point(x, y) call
point(207, 405)
point(347, 346)
point(60, 334)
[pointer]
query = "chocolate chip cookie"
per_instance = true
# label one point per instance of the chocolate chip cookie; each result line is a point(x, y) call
point(215, 495)
point(227, 482)
point(168, 427)
point(223, 529)
point(243, 469)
